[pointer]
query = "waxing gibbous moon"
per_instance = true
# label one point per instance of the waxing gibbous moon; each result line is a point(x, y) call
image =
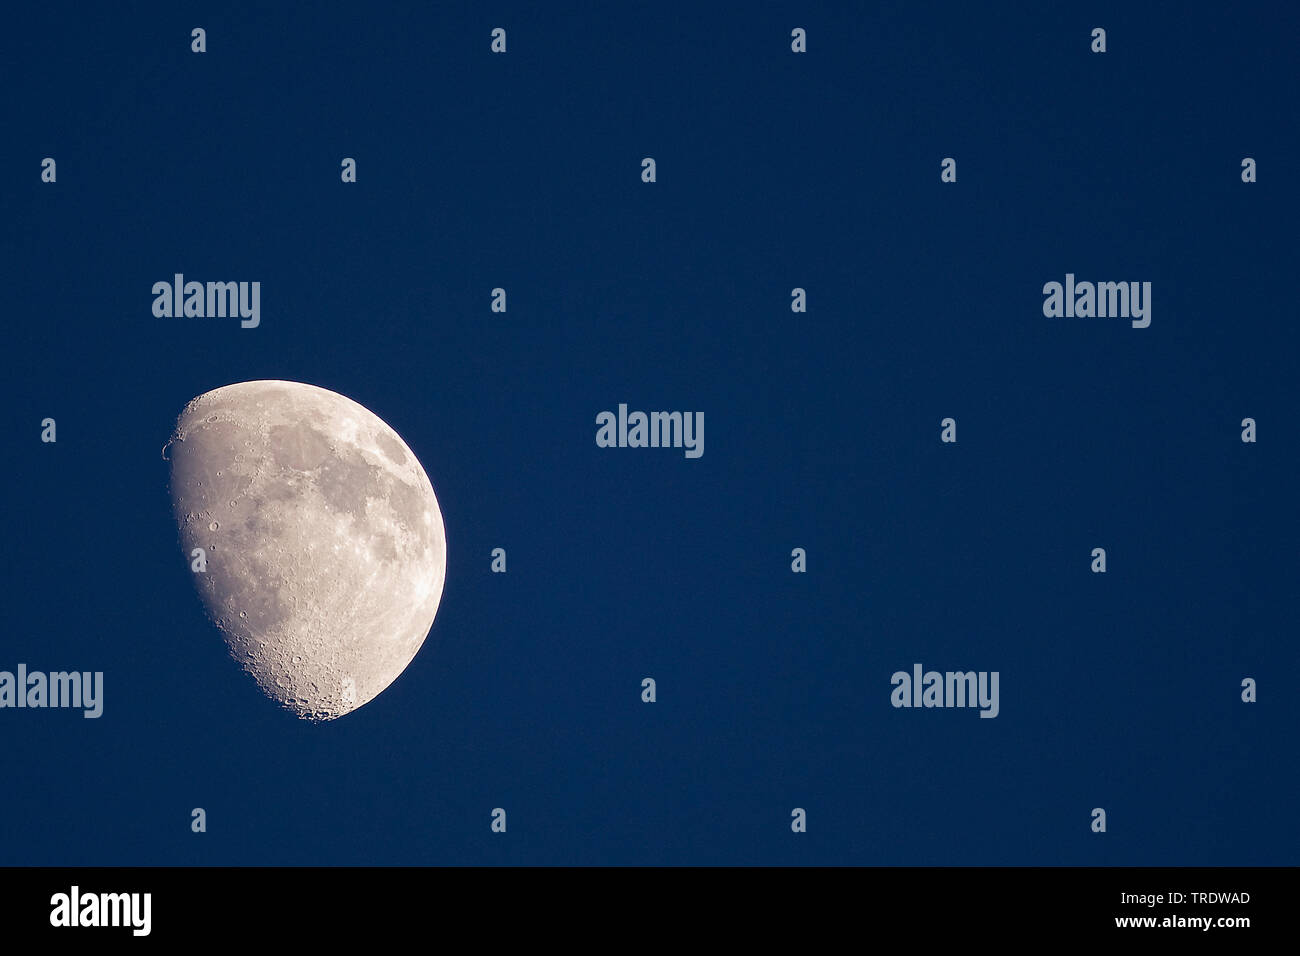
point(323, 541)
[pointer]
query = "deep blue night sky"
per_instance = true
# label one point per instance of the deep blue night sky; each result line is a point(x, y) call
point(775, 170)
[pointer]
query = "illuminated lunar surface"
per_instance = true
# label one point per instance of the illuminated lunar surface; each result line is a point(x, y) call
point(324, 543)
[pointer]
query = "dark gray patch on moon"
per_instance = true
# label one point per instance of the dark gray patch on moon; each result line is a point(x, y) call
point(298, 446)
point(392, 449)
point(347, 481)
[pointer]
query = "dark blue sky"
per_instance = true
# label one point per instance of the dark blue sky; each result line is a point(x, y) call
point(775, 170)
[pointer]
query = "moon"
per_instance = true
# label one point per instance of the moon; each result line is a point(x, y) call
point(323, 547)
